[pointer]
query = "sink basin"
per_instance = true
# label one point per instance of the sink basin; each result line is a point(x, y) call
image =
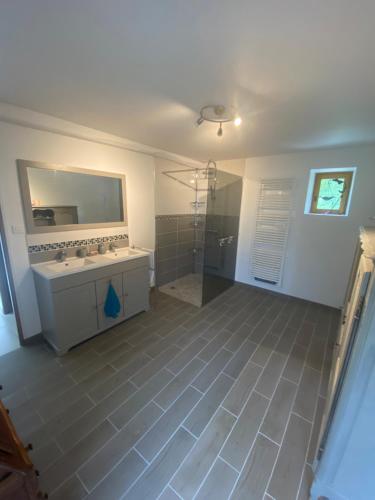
point(121, 253)
point(74, 265)
point(69, 264)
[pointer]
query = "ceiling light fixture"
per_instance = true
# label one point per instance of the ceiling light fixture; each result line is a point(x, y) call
point(218, 114)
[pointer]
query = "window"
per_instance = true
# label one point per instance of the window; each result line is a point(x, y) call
point(329, 191)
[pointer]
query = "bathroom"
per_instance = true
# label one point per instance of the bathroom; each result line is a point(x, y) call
point(187, 265)
point(188, 223)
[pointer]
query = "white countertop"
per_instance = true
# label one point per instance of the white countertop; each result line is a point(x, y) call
point(53, 269)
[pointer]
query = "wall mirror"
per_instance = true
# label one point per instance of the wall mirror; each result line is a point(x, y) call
point(60, 198)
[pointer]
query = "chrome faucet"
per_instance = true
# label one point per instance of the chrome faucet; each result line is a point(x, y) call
point(112, 246)
point(61, 256)
point(101, 248)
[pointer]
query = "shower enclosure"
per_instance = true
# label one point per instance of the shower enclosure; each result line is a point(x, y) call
point(196, 251)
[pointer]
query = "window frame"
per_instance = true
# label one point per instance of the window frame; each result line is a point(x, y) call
point(348, 176)
point(316, 175)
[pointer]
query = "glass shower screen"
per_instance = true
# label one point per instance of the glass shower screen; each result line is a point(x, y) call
point(221, 233)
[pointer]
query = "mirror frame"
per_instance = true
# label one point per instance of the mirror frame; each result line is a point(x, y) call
point(22, 166)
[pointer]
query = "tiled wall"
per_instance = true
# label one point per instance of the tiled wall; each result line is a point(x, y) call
point(176, 239)
point(48, 251)
point(76, 243)
point(185, 242)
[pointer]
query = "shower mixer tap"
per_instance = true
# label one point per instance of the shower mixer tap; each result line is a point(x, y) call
point(228, 240)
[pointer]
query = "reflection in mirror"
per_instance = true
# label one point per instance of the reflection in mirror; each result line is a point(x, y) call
point(66, 197)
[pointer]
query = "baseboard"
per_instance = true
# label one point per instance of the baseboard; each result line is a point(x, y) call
point(35, 339)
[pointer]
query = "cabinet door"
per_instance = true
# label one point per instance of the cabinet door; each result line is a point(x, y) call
point(76, 314)
point(103, 284)
point(136, 291)
point(106, 322)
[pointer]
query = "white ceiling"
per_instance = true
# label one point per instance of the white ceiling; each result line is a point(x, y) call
point(300, 72)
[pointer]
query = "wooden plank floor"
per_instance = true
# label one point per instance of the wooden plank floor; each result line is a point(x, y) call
point(179, 402)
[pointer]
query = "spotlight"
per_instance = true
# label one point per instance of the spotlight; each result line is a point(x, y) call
point(218, 114)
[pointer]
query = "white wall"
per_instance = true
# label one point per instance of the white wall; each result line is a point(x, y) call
point(320, 249)
point(236, 167)
point(18, 142)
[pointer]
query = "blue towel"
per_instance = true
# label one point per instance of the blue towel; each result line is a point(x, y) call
point(112, 305)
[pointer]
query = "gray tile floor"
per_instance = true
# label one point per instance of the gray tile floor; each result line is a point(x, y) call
point(8, 333)
point(213, 403)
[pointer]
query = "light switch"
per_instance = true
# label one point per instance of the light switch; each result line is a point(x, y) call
point(18, 230)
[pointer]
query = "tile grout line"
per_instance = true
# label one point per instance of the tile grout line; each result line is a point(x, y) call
point(123, 402)
point(154, 424)
point(81, 482)
point(188, 385)
point(170, 437)
point(188, 431)
point(156, 456)
point(306, 454)
point(315, 410)
point(263, 395)
point(260, 433)
point(226, 409)
point(219, 457)
point(118, 462)
point(202, 432)
point(76, 472)
point(140, 454)
point(116, 433)
point(155, 403)
point(174, 491)
point(239, 415)
point(303, 418)
point(286, 427)
point(65, 480)
point(261, 424)
point(60, 431)
point(266, 300)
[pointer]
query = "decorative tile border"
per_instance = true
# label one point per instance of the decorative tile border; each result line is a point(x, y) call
point(76, 243)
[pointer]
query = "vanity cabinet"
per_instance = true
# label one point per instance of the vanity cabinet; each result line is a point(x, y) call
point(72, 306)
